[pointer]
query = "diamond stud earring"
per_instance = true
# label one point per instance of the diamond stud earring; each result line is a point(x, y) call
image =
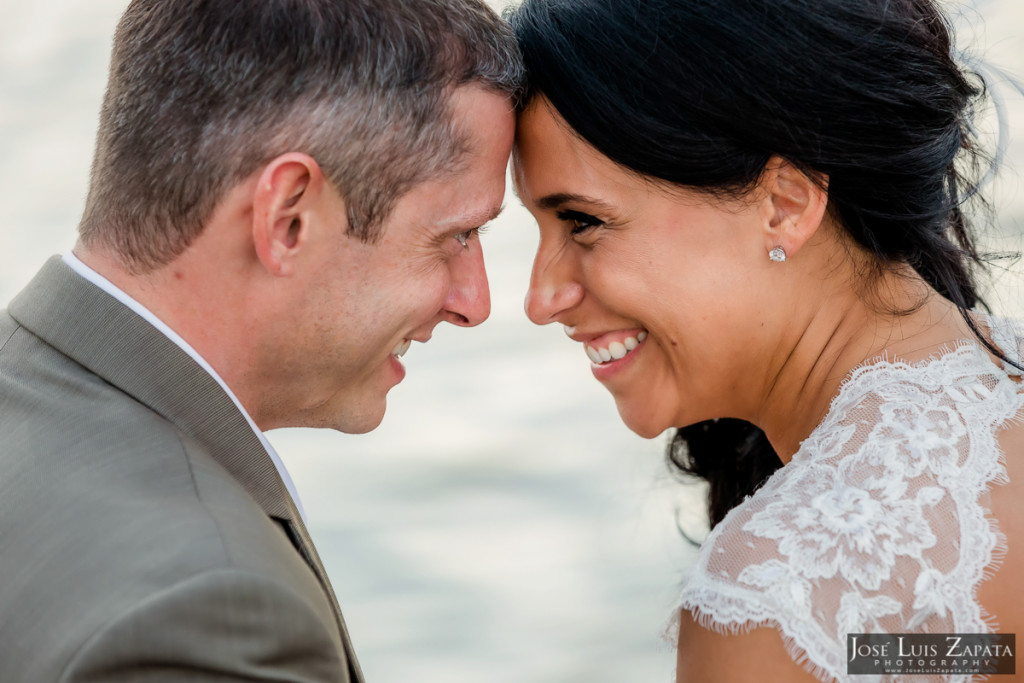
point(778, 254)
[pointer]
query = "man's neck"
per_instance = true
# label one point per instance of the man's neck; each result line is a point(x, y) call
point(184, 299)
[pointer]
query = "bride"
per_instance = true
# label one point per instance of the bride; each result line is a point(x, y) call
point(755, 213)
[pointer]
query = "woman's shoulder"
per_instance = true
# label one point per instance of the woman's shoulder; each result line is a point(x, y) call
point(877, 523)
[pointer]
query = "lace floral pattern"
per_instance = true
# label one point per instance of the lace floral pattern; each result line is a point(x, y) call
point(877, 523)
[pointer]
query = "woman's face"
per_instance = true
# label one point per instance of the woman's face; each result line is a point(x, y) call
point(665, 290)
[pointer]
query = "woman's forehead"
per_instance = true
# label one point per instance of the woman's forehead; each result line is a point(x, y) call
point(550, 158)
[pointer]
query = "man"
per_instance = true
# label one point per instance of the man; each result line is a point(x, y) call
point(285, 195)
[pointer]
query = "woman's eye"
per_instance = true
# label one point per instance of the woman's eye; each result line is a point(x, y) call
point(578, 221)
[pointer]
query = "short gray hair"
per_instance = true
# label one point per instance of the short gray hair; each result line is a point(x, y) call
point(203, 92)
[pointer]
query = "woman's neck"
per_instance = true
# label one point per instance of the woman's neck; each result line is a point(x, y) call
point(901, 317)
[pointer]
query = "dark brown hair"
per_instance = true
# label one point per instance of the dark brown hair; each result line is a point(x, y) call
point(701, 93)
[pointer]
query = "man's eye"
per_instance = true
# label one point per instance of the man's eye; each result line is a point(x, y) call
point(578, 221)
point(466, 235)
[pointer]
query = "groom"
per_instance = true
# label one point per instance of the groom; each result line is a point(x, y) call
point(285, 195)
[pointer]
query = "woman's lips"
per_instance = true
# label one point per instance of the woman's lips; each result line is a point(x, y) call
point(606, 349)
point(613, 346)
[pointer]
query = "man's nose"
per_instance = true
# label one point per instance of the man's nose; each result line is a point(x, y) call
point(469, 299)
point(554, 287)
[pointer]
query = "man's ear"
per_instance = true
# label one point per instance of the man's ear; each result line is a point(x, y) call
point(796, 205)
point(284, 203)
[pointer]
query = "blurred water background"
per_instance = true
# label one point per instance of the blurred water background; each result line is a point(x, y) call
point(501, 526)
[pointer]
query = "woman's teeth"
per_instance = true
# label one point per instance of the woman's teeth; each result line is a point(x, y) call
point(615, 350)
point(401, 347)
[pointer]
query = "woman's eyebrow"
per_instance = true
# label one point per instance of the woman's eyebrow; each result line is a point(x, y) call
point(560, 199)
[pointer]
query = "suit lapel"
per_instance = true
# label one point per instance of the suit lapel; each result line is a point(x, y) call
point(95, 330)
point(308, 550)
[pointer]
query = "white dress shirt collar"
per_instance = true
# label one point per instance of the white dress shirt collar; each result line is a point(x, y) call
point(113, 290)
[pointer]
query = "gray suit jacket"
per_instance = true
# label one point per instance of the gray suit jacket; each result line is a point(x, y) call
point(144, 532)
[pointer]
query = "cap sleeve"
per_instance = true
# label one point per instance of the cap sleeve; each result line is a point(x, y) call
point(875, 526)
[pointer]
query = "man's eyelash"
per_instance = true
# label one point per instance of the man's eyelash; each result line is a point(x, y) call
point(581, 222)
point(463, 237)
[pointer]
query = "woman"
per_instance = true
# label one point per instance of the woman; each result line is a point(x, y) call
point(752, 210)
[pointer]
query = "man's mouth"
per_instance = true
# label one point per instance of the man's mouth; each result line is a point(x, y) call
point(401, 347)
point(613, 346)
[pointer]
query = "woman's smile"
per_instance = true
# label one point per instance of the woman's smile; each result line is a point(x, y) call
point(609, 352)
point(606, 347)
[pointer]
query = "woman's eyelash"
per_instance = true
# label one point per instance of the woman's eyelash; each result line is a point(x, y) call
point(580, 222)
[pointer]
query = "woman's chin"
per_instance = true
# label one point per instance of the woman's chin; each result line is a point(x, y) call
point(642, 422)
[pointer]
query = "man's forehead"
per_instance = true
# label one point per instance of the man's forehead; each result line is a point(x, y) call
point(462, 203)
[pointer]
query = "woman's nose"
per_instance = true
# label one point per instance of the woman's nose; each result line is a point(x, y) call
point(554, 286)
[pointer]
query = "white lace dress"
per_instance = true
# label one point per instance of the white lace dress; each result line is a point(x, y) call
point(877, 524)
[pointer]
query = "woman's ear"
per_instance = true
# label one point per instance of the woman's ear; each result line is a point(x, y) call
point(284, 202)
point(796, 205)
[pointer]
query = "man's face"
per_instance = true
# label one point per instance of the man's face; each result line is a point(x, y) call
point(366, 302)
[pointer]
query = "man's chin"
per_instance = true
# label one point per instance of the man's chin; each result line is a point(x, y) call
point(359, 422)
point(349, 412)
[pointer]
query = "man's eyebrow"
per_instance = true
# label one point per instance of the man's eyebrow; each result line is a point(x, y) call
point(559, 199)
point(478, 218)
